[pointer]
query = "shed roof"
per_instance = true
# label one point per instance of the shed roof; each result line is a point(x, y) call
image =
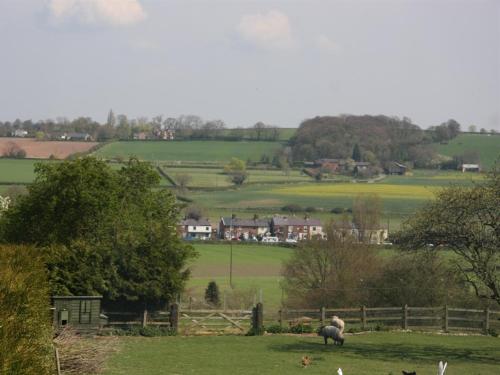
point(237, 222)
point(296, 221)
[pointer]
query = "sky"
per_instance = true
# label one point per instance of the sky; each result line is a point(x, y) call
point(279, 62)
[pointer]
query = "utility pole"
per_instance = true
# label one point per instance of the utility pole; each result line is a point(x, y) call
point(231, 252)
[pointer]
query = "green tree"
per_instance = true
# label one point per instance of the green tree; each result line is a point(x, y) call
point(111, 119)
point(465, 220)
point(236, 169)
point(105, 231)
point(25, 325)
point(212, 294)
point(356, 153)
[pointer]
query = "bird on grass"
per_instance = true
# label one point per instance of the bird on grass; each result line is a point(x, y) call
point(306, 361)
point(339, 371)
point(441, 369)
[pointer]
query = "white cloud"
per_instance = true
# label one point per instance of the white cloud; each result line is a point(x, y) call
point(88, 12)
point(326, 44)
point(269, 30)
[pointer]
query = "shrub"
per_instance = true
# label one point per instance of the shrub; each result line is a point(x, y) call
point(310, 209)
point(338, 210)
point(292, 208)
point(148, 331)
point(276, 328)
point(301, 328)
point(25, 324)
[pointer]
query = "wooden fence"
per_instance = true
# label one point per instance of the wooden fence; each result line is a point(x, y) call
point(192, 321)
point(442, 318)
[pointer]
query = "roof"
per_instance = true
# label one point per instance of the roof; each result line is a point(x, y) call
point(399, 164)
point(78, 135)
point(194, 222)
point(296, 221)
point(76, 297)
point(362, 164)
point(470, 165)
point(337, 161)
point(237, 222)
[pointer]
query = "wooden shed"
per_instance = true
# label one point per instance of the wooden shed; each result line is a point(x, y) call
point(79, 312)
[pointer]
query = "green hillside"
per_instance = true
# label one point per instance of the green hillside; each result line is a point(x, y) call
point(487, 145)
point(200, 151)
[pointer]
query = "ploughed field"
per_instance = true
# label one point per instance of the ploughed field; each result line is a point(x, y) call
point(44, 149)
point(364, 354)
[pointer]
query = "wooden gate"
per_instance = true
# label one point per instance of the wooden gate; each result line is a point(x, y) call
point(200, 322)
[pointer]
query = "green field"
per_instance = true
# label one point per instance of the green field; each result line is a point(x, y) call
point(22, 171)
point(18, 170)
point(487, 145)
point(214, 178)
point(381, 353)
point(200, 151)
point(255, 267)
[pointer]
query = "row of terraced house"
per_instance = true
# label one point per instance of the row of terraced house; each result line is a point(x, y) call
point(281, 228)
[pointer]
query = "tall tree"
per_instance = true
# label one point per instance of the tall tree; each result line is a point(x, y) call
point(111, 122)
point(105, 231)
point(465, 220)
point(356, 153)
point(366, 212)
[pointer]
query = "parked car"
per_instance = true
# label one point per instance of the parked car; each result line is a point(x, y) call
point(270, 239)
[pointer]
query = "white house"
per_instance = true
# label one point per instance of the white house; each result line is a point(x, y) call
point(20, 133)
point(191, 229)
point(471, 168)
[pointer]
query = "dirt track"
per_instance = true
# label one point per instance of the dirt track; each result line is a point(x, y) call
point(43, 149)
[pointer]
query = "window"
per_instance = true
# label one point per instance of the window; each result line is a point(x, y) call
point(206, 228)
point(314, 228)
point(194, 228)
point(85, 310)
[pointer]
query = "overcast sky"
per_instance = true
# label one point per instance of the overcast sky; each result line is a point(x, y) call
point(246, 61)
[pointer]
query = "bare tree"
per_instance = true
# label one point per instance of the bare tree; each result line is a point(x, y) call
point(183, 180)
point(366, 212)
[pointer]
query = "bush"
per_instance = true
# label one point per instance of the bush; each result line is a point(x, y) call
point(148, 331)
point(276, 328)
point(301, 328)
point(292, 208)
point(25, 323)
point(338, 210)
point(310, 209)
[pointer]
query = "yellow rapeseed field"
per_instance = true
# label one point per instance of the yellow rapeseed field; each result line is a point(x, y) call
point(353, 189)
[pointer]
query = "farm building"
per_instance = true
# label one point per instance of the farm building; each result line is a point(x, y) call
point(396, 168)
point(296, 229)
point(80, 312)
point(470, 168)
point(236, 228)
point(20, 133)
point(191, 229)
point(76, 137)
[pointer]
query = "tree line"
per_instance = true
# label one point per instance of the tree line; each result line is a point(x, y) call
point(120, 127)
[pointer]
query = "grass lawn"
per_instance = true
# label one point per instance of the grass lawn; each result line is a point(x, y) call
point(202, 151)
point(488, 147)
point(381, 353)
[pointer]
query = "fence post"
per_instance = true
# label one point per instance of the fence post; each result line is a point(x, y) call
point(145, 318)
point(405, 317)
point(486, 320)
point(323, 315)
point(363, 317)
point(258, 319)
point(446, 320)
point(174, 316)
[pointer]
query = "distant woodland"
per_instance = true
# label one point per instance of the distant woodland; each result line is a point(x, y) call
point(374, 139)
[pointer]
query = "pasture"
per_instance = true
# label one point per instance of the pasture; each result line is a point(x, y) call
point(486, 145)
point(381, 353)
point(199, 151)
point(214, 178)
point(255, 267)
